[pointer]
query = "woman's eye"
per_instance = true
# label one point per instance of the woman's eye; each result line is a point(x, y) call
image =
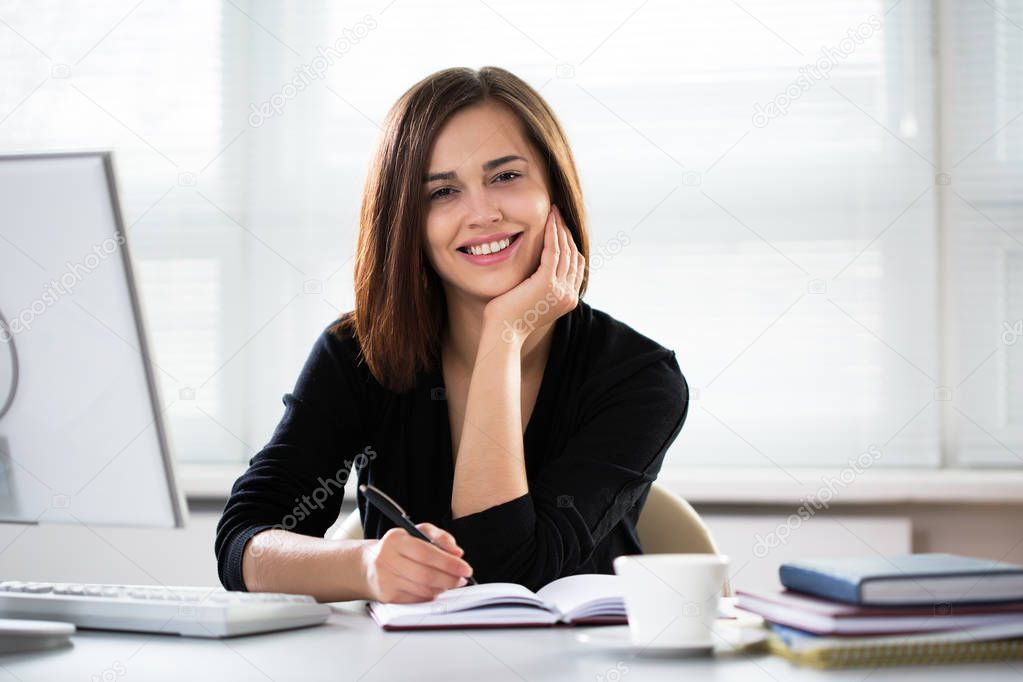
point(441, 193)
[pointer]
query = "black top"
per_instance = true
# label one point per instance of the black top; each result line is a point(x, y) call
point(610, 403)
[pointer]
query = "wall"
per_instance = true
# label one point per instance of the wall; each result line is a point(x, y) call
point(185, 557)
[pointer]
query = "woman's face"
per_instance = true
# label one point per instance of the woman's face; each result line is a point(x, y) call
point(494, 185)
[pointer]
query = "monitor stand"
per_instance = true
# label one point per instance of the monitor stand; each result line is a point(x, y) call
point(8, 491)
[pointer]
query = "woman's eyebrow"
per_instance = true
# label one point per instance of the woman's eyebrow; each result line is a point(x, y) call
point(489, 165)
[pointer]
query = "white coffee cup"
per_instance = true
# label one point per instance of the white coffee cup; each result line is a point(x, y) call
point(672, 599)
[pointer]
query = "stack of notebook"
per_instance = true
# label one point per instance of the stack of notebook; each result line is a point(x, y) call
point(916, 608)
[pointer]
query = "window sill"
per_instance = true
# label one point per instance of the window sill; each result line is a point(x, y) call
point(871, 486)
point(757, 486)
point(212, 482)
point(208, 482)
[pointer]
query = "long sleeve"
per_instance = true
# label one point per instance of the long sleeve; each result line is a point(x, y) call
point(296, 482)
point(581, 493)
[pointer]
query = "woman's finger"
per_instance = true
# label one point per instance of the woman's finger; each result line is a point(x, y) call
point(428, 576)
point(573, 271)
point(570, 264)
point(566, 252)
point(548, 257)
point(440, 536)
point(404, 597)
point(436, 558)
point(414, 588)
point(556, 225)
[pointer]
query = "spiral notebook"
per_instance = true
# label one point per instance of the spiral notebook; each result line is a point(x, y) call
point(588, 598)
point(1000, 642)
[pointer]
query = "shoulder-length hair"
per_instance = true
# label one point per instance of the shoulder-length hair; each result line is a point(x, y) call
point(400, 307)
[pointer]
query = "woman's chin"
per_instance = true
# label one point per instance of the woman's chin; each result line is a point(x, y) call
point(483, 285)
point(491, 290)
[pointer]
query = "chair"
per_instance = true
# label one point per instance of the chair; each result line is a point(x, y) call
point(667, 525)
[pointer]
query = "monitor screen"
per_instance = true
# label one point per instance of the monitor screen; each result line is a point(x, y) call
point(82, 436)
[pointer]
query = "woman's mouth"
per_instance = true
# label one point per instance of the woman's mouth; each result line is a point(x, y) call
point(509, 247)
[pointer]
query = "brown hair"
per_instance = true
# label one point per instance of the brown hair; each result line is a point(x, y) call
point(400, 309)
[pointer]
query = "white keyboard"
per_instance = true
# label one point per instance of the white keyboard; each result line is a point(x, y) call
point(189, 611)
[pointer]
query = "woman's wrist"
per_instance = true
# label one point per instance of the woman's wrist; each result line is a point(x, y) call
point(365, 554)
point(498, 333)
point(329, 570)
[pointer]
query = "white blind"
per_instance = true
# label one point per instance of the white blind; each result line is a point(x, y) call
point(146, 80)
point(789, 255)
point(985, 211)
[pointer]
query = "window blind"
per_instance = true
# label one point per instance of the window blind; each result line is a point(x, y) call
point(762, 179)
point(985, 223)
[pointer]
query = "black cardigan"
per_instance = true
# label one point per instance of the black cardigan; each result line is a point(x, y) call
point(610, 404)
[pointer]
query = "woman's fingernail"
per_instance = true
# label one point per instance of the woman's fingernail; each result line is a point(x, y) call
point(462, 582)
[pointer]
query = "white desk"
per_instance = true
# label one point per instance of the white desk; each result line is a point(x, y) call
point(350, 646)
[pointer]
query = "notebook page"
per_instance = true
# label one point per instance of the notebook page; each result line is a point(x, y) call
point(573, 593)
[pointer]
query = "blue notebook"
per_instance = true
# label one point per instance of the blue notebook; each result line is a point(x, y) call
point(906, 579)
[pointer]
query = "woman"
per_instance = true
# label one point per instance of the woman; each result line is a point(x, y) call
point(518, 426)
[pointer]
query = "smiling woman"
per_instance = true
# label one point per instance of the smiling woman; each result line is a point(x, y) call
point(521, 427)
point(490, 210)
point(461, 152)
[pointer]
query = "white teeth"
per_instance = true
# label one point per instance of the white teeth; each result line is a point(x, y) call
point(492, 247)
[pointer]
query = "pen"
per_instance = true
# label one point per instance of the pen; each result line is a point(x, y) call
point(394, 512)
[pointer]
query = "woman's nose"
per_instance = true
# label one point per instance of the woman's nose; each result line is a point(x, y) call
point(483, 210)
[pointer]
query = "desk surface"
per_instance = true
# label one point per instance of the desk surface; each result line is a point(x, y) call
point(350, 646)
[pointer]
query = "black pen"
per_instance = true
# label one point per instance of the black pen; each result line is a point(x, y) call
point(394, 512)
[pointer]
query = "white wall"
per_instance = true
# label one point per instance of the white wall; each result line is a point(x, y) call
point(185, 557)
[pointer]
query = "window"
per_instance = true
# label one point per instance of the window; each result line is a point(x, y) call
point(818, 206)
point(984, 199)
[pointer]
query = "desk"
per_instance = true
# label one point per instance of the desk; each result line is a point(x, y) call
point(350, 646)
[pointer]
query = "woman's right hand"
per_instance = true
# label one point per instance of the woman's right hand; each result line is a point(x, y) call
point(400, 568)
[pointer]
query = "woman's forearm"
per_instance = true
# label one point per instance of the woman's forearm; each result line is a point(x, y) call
point(277, 560)
point(490, 467)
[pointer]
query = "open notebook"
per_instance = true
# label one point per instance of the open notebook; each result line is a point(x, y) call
point(587, 598)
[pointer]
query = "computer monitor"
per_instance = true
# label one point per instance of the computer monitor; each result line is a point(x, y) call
point(82, 435)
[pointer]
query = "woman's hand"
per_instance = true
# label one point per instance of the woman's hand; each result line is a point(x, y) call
point(548, 293)
point(401, 568)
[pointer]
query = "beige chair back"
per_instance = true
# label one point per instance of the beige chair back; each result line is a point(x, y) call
point(667, 525)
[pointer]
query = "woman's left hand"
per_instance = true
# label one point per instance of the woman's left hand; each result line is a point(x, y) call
point(548, 293)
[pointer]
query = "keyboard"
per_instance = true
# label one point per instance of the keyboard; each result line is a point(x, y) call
point(187, 611)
